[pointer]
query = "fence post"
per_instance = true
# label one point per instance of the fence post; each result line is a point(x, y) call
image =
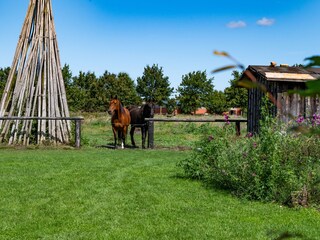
point(151, 134)
point(238, 132)
point(78, 133)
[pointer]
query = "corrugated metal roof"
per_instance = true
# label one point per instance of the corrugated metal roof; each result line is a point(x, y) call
point(286, 74)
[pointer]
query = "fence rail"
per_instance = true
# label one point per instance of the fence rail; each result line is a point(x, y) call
point(152, 120)
point(77, 121)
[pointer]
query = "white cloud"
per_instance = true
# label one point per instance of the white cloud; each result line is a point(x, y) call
point(236, 24)
point(265, 21)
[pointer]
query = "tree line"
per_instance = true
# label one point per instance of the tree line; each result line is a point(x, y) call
point(90, 93)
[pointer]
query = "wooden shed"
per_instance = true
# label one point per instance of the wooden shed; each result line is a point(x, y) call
point(278, 80)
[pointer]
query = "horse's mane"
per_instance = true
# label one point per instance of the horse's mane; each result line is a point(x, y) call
point(122, 108)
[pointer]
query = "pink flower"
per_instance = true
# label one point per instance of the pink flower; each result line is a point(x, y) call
point(226, 118)
point(316, 119)
point(249, 135)
point(300, 119)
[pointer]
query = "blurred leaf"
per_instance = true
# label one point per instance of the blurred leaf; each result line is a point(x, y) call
point(250, 76)
point(304, 93)
point(241, 66)
point(224, 68)
point(314, 61)
point(250, 84)
point(274, 100)
point(224, 54)
point(247, 84)
point(315, 85)
point(313, 89)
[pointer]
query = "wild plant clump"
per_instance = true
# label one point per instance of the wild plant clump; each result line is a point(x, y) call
point(275, 165)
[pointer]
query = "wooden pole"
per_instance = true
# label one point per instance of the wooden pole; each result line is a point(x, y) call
point(35, 83)
point(78, 133)
point(238, 130)
point(150, 134)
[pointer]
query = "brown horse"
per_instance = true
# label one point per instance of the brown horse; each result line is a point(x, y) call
point(120, 120)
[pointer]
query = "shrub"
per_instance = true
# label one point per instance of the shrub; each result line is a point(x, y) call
point(274, 166)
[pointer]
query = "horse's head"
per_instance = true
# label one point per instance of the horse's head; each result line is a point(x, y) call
point(148, 109)
point(114, 105)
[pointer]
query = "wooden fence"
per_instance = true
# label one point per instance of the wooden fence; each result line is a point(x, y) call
point(77, 121)
point(152, 120)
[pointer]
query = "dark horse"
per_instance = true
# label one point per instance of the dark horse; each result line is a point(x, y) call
point(120, 120)
point(138, 116)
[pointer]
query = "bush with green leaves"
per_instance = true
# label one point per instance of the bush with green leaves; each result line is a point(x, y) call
point(274, 166)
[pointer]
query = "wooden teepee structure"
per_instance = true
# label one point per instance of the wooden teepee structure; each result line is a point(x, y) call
point(35, 88)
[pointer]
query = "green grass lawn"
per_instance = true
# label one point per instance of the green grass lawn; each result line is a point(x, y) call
point(99, 193)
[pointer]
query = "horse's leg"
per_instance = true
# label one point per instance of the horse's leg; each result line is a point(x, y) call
point(123, 143)
point(115, 137)
point(131, 135)
point(121, 137)
point(125, 132)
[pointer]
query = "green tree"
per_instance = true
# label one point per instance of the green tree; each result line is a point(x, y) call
point(195, 91)
point(81, 96)
point(218, 102)
point(171, 105)
point(67, 76)
point(128, 87)
point(88, 93)
point(236, 96)
point(154, 85)
point(76, 89)
point(4, 73)
point(121, 85)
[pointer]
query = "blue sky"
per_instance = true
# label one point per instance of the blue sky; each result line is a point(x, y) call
point(179, 36)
